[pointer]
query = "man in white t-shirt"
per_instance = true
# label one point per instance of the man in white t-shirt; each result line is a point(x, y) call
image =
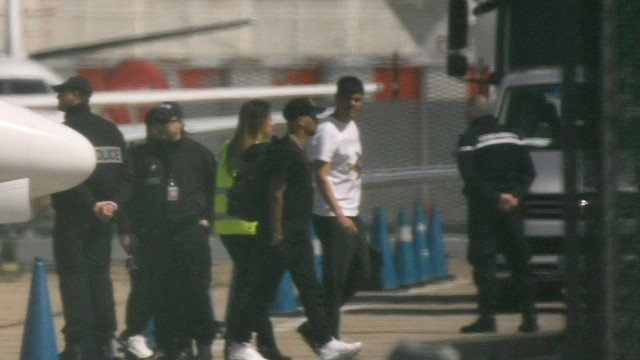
point(337, 154)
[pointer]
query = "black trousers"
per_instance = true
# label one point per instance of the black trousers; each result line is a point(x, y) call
point(252, 259)
point(82, 251)
point(491, 231)
point(346, 265)
point(259, 270)
point(148, 282)
point(172, 285)
point(295, 253)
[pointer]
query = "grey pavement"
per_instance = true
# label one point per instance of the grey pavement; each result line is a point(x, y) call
point(429, 312)
point(31, 244)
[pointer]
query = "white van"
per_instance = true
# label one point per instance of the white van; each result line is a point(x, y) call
point(529, 102)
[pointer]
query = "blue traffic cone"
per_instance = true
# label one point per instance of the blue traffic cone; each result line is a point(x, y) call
point(404, 257)
point(421, 248)
point(285, 300)
point(380, 242)
point(317, 251)
point(436, 246)
point(38, 338)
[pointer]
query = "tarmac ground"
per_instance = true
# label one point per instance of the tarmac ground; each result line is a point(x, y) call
point(380, 320)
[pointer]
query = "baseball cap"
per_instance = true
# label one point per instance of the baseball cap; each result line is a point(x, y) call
point(174, 107)
point(350, 85)
point(76, 83)
point(163, 113)
point(301, 107)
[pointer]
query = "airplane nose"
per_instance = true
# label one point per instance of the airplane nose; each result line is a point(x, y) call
point(59, 160)
point(53, 156)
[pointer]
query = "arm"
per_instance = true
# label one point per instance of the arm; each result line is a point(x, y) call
point(527, 173)
point(470, 175)
point(322, 169)
point(210, 169)
point(277, 173)
point(125, 188)
point(126, 178)
point(125, 218)
point(276, 203)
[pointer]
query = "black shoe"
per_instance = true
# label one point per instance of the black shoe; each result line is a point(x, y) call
point(272, 353)
point(528, 326)
point(71, 352)
point(305, 331)
point(483, 324)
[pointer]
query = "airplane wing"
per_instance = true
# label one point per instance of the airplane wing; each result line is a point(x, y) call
point(142, 97)
point(203, 125)
point(129, 40)
point(137, 131)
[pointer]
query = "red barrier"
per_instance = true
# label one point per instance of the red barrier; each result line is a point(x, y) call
point(133, 75)
point(407, 86)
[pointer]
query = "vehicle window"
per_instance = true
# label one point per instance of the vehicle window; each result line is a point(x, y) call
point(533, 112)
point(23, 86)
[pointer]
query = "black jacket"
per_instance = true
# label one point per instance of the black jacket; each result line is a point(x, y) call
point(111, 180)
point(493, 160)
point(193, 169)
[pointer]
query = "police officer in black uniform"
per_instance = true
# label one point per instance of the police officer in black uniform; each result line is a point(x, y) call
point(497, 171)
point(83, 229)
point(171, 212)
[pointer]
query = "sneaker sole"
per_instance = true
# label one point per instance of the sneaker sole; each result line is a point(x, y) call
point(350, 355)
point(128, 355)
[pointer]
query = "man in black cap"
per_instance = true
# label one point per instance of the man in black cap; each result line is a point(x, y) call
point(290, 204)
point(83, 229)
point(170, 217)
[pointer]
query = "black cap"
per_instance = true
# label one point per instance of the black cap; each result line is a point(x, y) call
point(301, 107)
point(349, 85)
point(163, 113)
point(173, 107)
point(76, 83)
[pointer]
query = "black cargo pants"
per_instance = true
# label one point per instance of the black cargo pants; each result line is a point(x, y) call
point(82, 251)
point(490, 232)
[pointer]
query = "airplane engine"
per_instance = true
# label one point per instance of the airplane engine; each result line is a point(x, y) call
point(38, 157)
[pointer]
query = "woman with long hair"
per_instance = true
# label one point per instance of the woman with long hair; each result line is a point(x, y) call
point(242, 240)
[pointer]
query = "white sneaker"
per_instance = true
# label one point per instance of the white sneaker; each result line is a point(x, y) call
point(336, 349)
point(137, 346)
point(244, 351)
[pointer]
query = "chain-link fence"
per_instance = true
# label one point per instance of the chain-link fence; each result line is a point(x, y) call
point(396, 133)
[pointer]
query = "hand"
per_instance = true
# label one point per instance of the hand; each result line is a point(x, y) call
point(347, 224)
point(204, 223)
point(508, 202)
point(129, 243)
point(104, 210)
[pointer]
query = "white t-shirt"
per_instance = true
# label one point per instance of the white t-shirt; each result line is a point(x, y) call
point(339, 144)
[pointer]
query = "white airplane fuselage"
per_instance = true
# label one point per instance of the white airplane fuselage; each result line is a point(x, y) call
point(38, 157)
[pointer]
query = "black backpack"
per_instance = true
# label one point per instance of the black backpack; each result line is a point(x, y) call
point(248, 196)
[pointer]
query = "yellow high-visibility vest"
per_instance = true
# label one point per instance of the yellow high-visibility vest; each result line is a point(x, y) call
point(225, 224)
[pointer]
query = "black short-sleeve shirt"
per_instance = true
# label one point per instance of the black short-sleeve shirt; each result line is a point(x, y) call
point(290, 162)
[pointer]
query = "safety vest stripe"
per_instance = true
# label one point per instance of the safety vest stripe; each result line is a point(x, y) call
point(224, 223)
point(236, 227)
